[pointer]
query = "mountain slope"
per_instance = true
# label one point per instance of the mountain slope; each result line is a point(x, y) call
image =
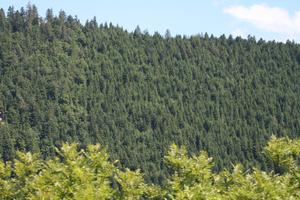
point(137, 93)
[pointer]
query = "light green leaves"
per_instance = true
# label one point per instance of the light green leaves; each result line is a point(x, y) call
point(88, 174)
point(194, 179)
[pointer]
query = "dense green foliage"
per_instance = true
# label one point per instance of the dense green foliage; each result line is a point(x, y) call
point(136, 93)
point(89, 175)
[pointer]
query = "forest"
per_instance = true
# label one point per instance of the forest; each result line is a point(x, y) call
point(136, 93)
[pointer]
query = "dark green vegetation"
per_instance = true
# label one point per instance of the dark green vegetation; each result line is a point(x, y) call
point(135, 93)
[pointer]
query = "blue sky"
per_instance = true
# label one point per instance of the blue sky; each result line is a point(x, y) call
point(270, 19)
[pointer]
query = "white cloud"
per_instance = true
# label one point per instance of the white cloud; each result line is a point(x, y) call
point(271, 19)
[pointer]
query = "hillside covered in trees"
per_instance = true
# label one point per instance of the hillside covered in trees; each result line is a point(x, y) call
point(136, 93)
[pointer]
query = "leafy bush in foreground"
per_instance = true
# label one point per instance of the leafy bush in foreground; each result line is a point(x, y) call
point(87, 174)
